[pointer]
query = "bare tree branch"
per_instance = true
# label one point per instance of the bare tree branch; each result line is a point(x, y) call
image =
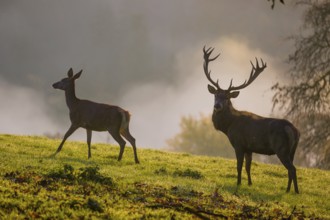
point(307, 98)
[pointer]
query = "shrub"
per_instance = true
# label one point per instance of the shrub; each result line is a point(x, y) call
point(188, 173)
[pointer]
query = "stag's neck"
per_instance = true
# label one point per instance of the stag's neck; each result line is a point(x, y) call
point(70, 97)
point(222, 120)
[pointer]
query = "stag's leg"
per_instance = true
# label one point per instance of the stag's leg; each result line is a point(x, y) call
point(286, 161)
point(290, 177)
point(115, 134)
point(131, 139)
point(292, 153)
point(240, 160)
point(67, 134)
point(89, 139)
point(295, 181)
point(248, 160)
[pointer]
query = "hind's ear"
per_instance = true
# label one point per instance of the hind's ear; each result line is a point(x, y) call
point(77, 75)
point(70, 73)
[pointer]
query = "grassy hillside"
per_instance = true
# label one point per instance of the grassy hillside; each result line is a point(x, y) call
point(164, 186)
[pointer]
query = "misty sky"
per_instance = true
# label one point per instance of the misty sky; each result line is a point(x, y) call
point(145, 56)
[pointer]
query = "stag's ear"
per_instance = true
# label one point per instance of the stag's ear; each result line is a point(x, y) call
point(233, 94)
point(211, 89)
point(77, 75)
point(70, 73)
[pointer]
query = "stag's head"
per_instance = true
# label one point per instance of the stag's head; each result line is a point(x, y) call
point(68, 82)
point(222, 96)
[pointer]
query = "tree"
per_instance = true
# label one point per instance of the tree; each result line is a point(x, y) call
point(198, 136)
point(306, 100)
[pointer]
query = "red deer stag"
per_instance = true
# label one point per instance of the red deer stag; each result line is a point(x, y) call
point(250, 133)
point(94, 117)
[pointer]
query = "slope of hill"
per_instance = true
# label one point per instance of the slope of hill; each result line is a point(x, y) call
point(164, 186)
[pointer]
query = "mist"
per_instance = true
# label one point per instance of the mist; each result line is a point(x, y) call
point(145, 56)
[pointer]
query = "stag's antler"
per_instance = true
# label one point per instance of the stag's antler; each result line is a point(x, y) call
point(207, 59)
point(255, 72)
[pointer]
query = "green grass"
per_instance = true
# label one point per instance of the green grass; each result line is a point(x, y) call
point(164, 186)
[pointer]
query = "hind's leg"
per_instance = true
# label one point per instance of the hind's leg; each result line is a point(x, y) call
point(67, 134)
point(131, 139)
point(115, 134)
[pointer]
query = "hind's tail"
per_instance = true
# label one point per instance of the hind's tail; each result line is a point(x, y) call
point(125, 120)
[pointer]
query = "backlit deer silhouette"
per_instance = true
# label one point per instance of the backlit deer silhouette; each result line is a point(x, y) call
point(250, 133)
point(95, 117)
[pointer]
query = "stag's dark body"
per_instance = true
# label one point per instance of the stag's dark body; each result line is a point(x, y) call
point(257, 134)
point(250, 133)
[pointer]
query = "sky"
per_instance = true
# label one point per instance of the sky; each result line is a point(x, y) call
point(145, 56)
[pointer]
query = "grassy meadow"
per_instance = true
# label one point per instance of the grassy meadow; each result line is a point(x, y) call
point(34, 185)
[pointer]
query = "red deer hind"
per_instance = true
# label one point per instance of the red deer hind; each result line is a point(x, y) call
point(250, 133)
point(95, 117)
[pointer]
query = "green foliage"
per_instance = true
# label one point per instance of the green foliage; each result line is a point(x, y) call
point(164, 186)
point(94, 205)
point(65, 174)
point(179, 173)
point(84, 174)
point(188, 173)
point(198, 136)
point(161, 171)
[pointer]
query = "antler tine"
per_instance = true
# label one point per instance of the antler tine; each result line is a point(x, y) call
point(208, 52)
point(255, 72)
point(207, 59)
point(263, 63)
point(214, 58)
point(257, 63)
point(231, 83)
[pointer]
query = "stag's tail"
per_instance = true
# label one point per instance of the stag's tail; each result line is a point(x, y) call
point(293, 135)
point(125, 120)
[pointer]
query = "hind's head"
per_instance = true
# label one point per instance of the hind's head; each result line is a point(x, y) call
point(66, 83)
